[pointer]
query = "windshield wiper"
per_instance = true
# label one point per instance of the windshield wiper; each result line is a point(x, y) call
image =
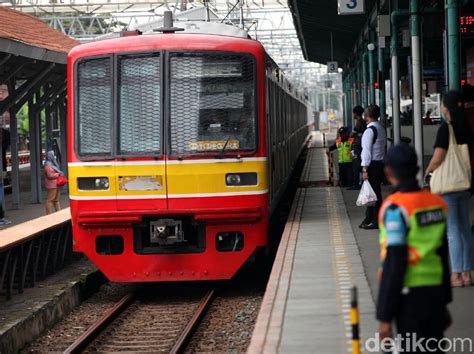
point(221, 154)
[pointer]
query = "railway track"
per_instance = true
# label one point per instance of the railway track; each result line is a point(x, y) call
point(137, 324)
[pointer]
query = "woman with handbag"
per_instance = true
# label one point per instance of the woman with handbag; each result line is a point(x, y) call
point(451, 178)
point(53, 182)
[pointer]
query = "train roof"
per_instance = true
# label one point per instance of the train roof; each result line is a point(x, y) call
point(167, 41)
point(187, 26)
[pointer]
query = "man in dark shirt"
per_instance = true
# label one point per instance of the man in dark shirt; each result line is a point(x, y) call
point(359, 128)
point(414, 280)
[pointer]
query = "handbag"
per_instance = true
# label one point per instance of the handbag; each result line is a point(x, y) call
point(454, 173)
point(61, 181)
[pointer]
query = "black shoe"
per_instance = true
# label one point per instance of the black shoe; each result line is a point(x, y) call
point(363, 225)
point(371, 226)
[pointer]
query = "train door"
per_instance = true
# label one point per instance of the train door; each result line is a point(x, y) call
point(140, 166)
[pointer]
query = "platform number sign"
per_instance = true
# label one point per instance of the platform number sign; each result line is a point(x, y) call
point(350, 7)
point(332, 67)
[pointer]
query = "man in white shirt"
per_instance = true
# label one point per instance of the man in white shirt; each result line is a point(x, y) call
point(374, 140)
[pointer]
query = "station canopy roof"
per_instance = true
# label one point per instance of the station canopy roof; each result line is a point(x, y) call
point(32, 56)
point(315, 21)
point(27, 36)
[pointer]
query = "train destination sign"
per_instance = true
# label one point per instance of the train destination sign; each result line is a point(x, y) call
point(214, 145)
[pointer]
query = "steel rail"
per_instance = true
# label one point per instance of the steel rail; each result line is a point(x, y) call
point(193, 324)
point(98, 327)
point(92, 332)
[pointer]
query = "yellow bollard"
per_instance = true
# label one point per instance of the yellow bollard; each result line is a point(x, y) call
point(331, 168)
point(355, 322)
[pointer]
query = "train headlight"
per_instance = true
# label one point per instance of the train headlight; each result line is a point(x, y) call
point(102, 183)
point(93, 183)
point(241, 179)
point(233, 179)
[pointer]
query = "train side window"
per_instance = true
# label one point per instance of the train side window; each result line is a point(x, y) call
point(139, 104)
point(93, 109)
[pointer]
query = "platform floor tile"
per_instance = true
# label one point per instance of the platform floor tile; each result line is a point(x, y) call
point(309, 309)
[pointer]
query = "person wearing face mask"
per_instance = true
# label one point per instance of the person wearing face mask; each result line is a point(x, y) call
point(359, 128)
point(52, 172)
point(461, 241)
point(374, 140)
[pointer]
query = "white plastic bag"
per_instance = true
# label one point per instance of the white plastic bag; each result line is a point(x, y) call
point(367, 195)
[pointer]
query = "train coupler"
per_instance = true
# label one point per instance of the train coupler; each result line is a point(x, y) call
point(166, 231)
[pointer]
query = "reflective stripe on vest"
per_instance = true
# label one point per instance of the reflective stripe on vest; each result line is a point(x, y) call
point(344, 150)
point(425, 215)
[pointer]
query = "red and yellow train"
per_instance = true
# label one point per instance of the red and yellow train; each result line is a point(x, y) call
point(180, 146)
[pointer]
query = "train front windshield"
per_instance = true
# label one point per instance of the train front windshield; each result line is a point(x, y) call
point(212, 105)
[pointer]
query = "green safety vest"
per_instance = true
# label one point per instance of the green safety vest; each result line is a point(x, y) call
point(344, 150)
point(426, 222)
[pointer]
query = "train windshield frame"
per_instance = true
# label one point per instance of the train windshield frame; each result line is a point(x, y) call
point(213, 103)
point(135, 104)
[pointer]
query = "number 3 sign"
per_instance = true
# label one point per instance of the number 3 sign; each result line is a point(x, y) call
point(350, 7)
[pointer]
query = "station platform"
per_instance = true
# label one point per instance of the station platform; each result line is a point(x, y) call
point(322, 254)
point(27, 211)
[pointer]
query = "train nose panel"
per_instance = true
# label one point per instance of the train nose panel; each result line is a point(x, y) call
point(144, 184)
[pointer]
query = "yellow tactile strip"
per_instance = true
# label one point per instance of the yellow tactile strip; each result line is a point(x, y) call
point(341, 265)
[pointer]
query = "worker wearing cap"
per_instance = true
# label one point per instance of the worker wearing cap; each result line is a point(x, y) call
point(344, 151)
point(359, 127)
point(414, 279)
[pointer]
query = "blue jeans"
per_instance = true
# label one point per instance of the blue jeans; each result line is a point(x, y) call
point(460, 238)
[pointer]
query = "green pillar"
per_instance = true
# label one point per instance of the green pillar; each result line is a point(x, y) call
point(358, 83)
point(382, 99)
point(352, 100)
point(353, 90)
point(364, 80)
point(452, 25)
point(344, 92)
point(372, 69)
point(348, 99)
